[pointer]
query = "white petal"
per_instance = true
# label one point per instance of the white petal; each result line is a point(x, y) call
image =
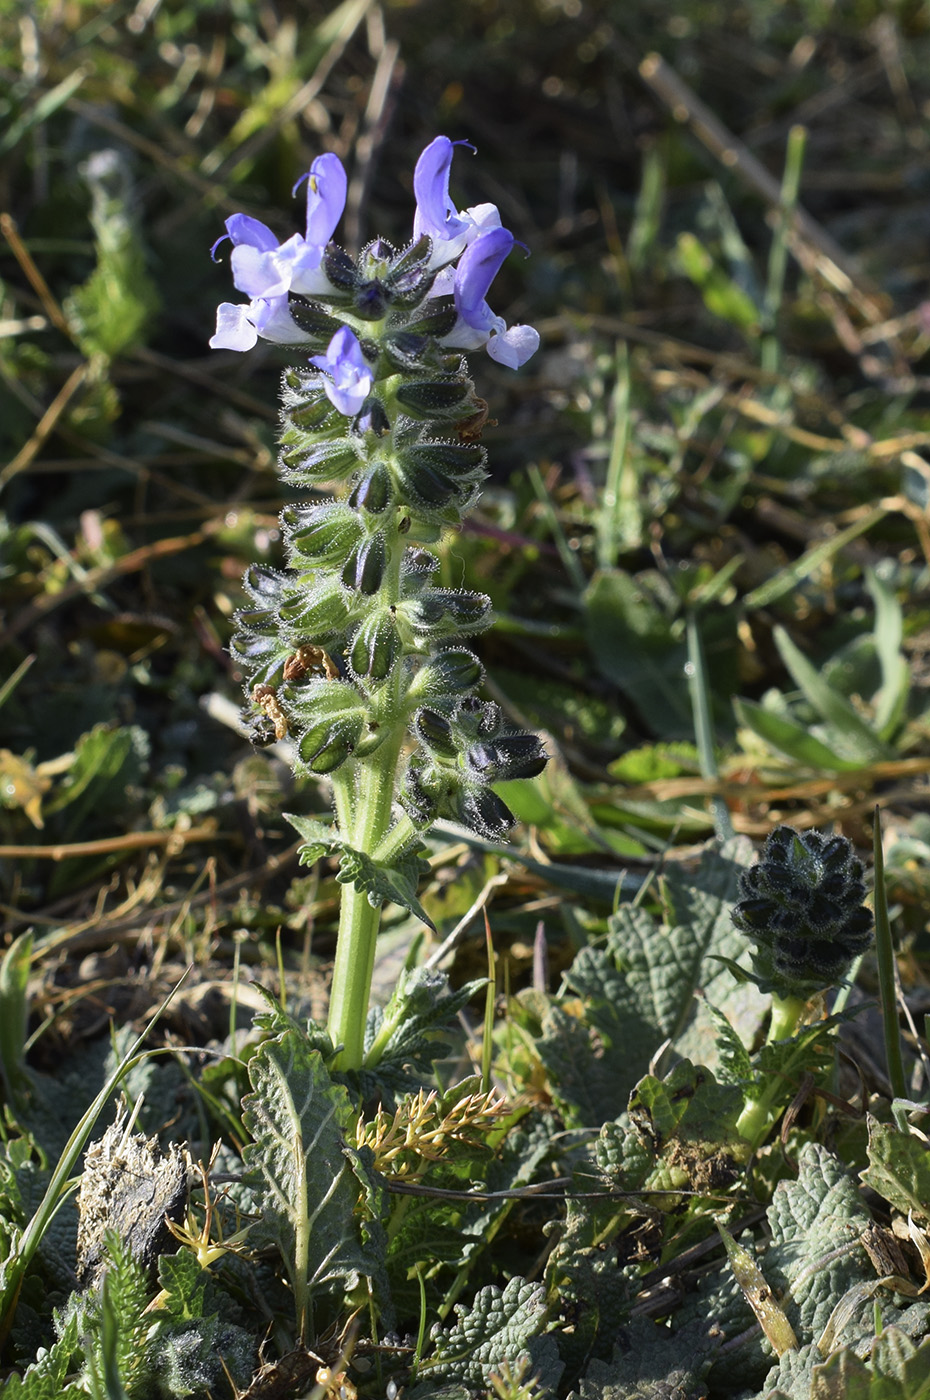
point(514, 347)
point(234, 330)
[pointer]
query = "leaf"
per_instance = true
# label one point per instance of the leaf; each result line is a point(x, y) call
point(496, 1328)
point(701, 902)
point(637, 647)
point(395, 883)
point(692, 1114)
point(895, 1369)
point(809, 1218)
point(649, 1363)
point(319, 838)
point(306, 1189)
point(813, 1260)
point(891, 701)
point(899, 1168)
point(863, 742)
point(791, 739)
point(14, 1016)
point(596, 1051)
point(791, 576)
point(591, 1284)
point(107, 761)
point(403, 1040)
point(603, 886)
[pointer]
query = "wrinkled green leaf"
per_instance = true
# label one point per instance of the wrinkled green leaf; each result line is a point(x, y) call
point(306, 1190)
point(893, 1370)
point(381, 883)
point(899, 1168)
point(648, 1363)
point(497, 1327)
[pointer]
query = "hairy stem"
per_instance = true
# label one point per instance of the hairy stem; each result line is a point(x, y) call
point(371, 795)
point(759, 1113)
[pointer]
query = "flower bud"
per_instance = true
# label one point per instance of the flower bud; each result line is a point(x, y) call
point(438, 318)
point(420, 793)
point(428, 486)
point(339, 268)
point(417, 568)
point(435, 398)
point(484, 812)
point(372, 492)
point(435, 732)
point(264, 620)
point(307, 464)
point(309, 415)
point(371, 300)
point(319, 614)
point(801, 904)
point(442, 612)
point(250, 651)
point(512, 756)
point(312, 319)
point(405, 350)
point(364, 568)
point(447, 677)
point(478, 719)
point(326, 746)
point(408, 279)
point(265, 586)
point(326, 534)
point(373, 418)
point(375, 647)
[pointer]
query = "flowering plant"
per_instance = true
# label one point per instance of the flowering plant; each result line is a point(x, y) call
point(352, 650)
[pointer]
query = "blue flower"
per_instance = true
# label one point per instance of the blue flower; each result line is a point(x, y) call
point(477, 324)
point(267, 270)
point(350, 377)
point(436, 215)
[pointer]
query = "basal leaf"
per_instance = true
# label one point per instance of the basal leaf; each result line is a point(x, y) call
point(496, 1328)
point(809, 1218)
point(792, 739)
point(595, 1050)
point(862, 741)
point(899, 1168)
point(691, 1119)
point(895, 1369)
point(699, 904)
point(306, 1189)
point(636, 646)
point(649, 1363)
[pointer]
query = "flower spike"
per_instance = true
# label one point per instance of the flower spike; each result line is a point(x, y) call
point(351, 652)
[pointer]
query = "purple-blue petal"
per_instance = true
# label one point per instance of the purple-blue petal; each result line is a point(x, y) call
point(436, 214)
point(242, 228)
point(350, 376)
point(477, 268)
point(326, 198)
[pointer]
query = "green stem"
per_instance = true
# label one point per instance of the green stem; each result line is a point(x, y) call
point(786, 1013)
point(373, 794)
point(759, 1113)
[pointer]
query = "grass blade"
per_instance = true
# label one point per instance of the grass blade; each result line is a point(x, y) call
point(830, 704)
point(884, 951)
